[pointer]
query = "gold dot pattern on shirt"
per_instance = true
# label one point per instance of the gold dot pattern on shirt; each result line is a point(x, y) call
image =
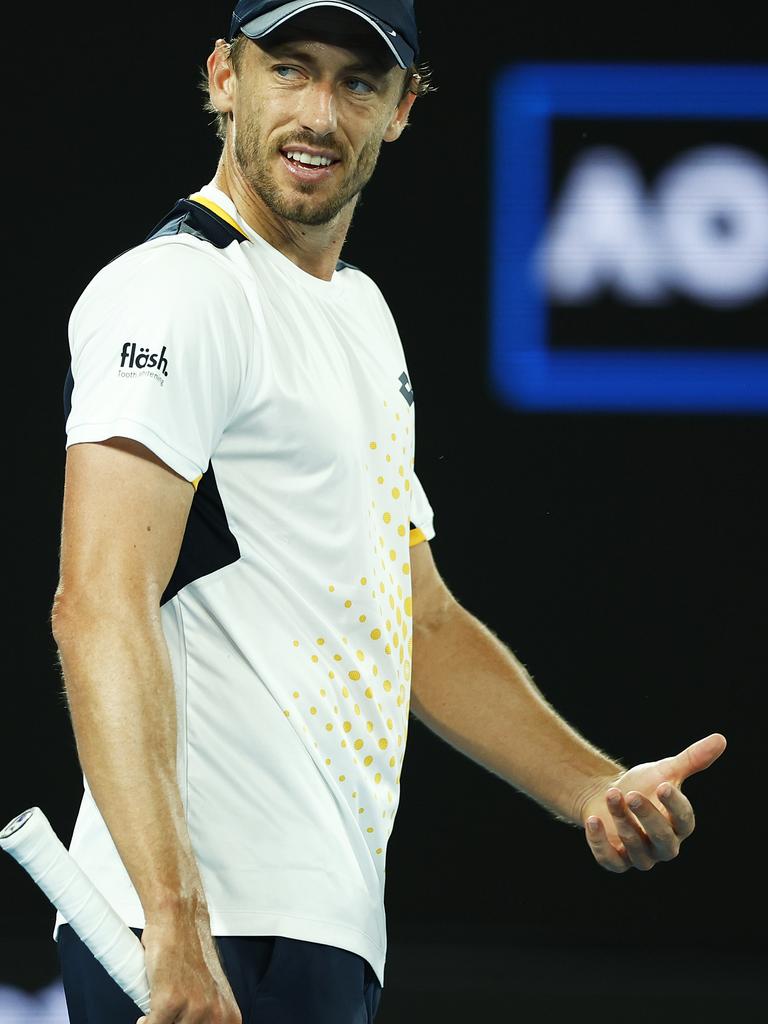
point(378, 764)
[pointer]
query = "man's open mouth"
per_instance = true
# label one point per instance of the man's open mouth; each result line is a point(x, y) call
point(308, 159)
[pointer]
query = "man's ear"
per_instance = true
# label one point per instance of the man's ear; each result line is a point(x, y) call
point(221, 78)
point(397, 125)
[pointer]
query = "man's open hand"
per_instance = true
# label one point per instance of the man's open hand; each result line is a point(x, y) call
point(643, 817)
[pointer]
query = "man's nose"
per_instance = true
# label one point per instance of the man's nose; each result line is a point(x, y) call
point(318, 109)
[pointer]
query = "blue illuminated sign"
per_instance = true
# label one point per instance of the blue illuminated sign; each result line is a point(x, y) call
point(527, 371)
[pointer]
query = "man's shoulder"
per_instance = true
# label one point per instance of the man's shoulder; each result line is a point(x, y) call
point(173, 263)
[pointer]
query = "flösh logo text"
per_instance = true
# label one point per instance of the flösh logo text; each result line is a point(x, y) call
point(143, 359)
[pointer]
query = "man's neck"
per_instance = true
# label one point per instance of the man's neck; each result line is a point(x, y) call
point(313, 248)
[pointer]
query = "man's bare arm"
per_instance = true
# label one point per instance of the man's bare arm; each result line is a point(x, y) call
point(470, 689)
point(123, 522)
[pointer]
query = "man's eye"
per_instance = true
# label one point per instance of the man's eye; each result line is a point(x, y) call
point(359, 87)
point(283, 71)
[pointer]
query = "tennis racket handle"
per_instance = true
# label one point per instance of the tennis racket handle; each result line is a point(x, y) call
point(31, 841)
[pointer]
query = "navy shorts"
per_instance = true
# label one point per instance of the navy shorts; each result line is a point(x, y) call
point(275, 981)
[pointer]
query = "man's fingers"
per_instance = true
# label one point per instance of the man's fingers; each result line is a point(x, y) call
point(606, 855)
point(634, 840)
point(678, 806)
point(698, 756)
point(665, 832)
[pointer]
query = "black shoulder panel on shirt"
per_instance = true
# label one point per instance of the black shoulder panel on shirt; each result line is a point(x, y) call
point(69, 385)
point(341, 265)
point(190, 218)
point(208, 542)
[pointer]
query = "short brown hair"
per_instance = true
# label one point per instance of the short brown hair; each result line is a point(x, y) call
point(418, 80)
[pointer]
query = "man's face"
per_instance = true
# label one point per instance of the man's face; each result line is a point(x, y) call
point(323, 85)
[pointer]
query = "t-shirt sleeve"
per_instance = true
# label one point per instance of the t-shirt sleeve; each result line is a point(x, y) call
point(422, 516)
point(160, 343)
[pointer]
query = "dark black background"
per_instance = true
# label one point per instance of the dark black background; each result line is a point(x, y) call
point(621, 557)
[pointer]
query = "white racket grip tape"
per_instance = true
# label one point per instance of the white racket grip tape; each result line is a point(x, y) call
point(31, 841)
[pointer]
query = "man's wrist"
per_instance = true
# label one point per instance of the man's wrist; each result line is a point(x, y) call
point(174, 908)
point(598, 785)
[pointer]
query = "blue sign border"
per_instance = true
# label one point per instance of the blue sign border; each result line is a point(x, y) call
point(524, 372)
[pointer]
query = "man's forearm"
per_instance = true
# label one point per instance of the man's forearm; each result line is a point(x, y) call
point(470, 689)
point(122, 703)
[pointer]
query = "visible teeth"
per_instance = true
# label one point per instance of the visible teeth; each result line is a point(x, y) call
point(305, 158)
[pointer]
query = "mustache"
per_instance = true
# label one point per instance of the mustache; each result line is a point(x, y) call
point(310, 139)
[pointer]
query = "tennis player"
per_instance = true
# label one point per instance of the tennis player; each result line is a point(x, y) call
point(248, 608)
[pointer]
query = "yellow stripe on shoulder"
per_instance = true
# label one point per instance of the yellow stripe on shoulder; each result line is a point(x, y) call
point(417, 537)
point(197, 481)
point(215, 208)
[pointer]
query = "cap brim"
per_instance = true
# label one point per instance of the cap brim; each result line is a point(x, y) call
point(259, 27)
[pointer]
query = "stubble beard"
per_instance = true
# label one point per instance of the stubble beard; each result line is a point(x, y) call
point(253, 159)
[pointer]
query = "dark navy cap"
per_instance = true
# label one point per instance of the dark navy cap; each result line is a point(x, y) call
point(394, 20)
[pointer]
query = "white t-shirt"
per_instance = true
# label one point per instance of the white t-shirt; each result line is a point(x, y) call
point(286, 401)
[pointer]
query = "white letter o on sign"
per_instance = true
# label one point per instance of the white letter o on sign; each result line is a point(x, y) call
point(712, 210)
